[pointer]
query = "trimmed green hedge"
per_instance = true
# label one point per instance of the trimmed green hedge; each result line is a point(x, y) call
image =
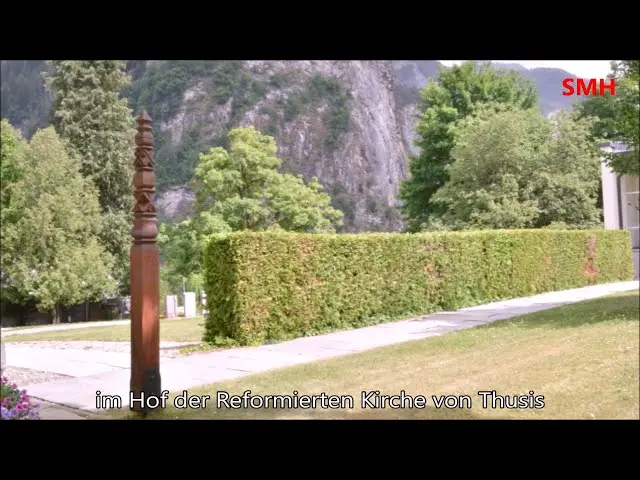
point(263, 287)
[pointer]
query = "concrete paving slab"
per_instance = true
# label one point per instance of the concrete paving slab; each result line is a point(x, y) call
point(314, 352)
point(49, 411)
point(76, 363)
point(252, 365)
point(81, 392)
point(255, 361)
point(302, 345)
point(327, 344)
point(271, 353)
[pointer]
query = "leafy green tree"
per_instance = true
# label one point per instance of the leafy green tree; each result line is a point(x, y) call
point(182, 246)
point(242, 189)
point(628, 116)
point(517, 169)
point(12, 149)
point(603, 109)
point(51, 253)
point(618, 117)
point(11, 169)
point(454, 95)
point(98, 129)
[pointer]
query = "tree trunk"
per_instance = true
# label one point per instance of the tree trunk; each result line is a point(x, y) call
point(57, 314)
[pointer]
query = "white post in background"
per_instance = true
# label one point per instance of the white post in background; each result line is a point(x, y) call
point(204, 302)
point(172, 306)
point(184, 289)
point(621, 200)
point(3, 356)
point(189, 304)
point(630, 186)
point(610, 194)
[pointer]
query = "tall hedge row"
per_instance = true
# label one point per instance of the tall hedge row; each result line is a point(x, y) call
point(265, 287)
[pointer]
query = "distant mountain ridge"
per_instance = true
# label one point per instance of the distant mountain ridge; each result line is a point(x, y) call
point(413, 74)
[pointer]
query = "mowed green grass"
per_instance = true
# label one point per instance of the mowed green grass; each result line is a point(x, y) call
point(583, 358)
point(171, 330)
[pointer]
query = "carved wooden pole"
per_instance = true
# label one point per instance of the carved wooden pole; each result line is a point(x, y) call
point(145, 273)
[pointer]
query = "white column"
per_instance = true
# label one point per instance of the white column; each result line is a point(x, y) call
point(189, 304)
point(172, 306)
point(610, 206)
point(630, 186)
point(3, 356)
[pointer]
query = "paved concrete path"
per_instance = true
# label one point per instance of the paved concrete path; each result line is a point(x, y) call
point(110, 374)
point(76, 362)
point(51, 411)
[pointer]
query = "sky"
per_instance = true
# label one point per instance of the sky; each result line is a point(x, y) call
point(580, 68)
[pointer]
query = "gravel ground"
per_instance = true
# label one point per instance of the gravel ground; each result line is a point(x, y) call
point(26, 376)
point(167, 349)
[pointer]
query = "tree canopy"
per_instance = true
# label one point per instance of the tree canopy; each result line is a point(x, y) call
point(12, 147)
point(454, 95)
point(242, 189)
point(51, 252)
point(98, 129)
point(618, 117)
point(517, 169)
point(628, 116)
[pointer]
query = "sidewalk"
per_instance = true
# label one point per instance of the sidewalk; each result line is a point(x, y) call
point(71, 362)
point(207, 368)
point(50, 411)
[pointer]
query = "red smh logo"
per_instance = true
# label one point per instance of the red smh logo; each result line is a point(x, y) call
point(588, 88)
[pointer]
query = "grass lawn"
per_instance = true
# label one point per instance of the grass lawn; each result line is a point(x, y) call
point(583, 358)
point(171, 330)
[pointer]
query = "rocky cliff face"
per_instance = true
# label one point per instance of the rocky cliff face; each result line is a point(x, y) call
point(350, 133)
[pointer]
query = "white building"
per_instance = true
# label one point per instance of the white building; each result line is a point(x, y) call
point(621, 201)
